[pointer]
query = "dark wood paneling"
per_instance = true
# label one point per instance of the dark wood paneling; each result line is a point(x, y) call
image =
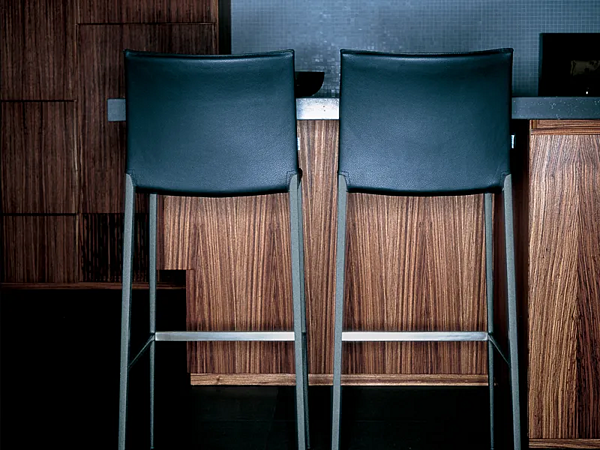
point(564, 277)
point(147, 11)
point(37, 142)
point(101, 247)
point(37, 53)
point(101, 77)
point(39, 249)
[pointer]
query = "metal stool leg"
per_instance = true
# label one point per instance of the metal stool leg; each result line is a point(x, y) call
point(152, 279)
point(512, 312)
point(297, 299)
point(339, 313)
point(303, 312)
point(126, 306)
point(489, 287)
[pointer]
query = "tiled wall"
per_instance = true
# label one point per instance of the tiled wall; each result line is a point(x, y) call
point(317, 29)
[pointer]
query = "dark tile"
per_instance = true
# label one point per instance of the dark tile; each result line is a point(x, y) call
point(415, 403)
point(233, 403)
point(319, 403)
point(410, 436)
point(234, 435)
point(283, 435)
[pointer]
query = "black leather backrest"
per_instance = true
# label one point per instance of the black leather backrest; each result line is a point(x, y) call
point(211, 125)
point(425, 124)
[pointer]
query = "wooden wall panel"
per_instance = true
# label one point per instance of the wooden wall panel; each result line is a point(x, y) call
point(38, 161)
point(415, 264)
point(101, 77)
point(564, 277)
point(147, 11)
point(588, 280)
point(37, 51)
point(241, 281)
point(39, 249)
point(318, 160)
point(101, 247)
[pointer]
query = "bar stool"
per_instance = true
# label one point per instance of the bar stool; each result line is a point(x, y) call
point(428, 125)
point(213, 126)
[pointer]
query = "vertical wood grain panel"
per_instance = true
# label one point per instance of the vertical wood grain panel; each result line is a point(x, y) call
point(588, 281)
point(415, 264)
point(39, 249)
point(318, 160)
point(147, 11)
point(553, 289)
point(241, 279)
point(37, 57)
point(101, 77)
point(38, 157)
point(101, 247)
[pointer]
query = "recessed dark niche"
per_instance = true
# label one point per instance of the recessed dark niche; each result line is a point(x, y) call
point(569, 65)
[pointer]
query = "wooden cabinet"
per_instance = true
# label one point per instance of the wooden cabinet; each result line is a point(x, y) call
point(564, 283)
point(62, 163)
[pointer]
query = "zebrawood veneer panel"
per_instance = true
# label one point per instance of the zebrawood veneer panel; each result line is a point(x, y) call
point(564, 277)
point(37, 57)
point(588, 280)
point(39, 249)
point(415, 264)
point(241, 281)
point(101, 76)
point(147, 11)
point(318, 160)
point(39, 165)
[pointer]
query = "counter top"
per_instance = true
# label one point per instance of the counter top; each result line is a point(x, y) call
point(526, 108)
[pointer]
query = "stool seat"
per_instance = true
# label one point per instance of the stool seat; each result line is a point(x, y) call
point(428, 125)
point(211, 126)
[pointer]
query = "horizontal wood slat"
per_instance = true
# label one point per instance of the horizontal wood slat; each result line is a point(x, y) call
point(101, 76)
point(147, 11)
point(38, 157)
point(565, 127)
point(39, 249)
point(37, 50)
point(564, 443)
point(82, 286)
point(289, 379)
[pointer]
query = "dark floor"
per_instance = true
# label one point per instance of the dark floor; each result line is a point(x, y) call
point(60, 377)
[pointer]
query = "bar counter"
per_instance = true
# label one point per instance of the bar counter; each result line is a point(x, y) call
point(421, 268)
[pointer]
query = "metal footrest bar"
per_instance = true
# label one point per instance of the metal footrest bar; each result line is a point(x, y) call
point(198, 336)
point(414, 336)
point(141, 352)
point(498, 349)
